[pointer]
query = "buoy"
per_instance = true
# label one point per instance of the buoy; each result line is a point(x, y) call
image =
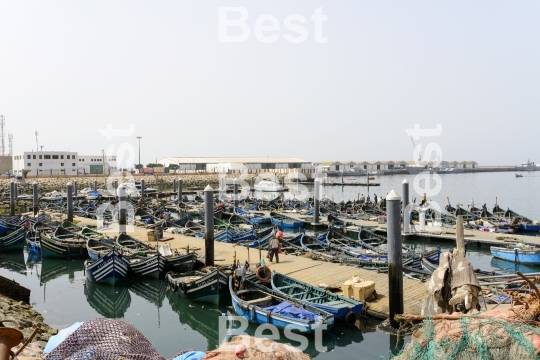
point(267, 272)
point(239, 350)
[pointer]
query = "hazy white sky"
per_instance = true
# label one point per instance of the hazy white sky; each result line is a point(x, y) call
point(69, 68)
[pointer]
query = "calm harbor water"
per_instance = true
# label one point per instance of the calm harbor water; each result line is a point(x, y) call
point(62, 294)
point(522, 195)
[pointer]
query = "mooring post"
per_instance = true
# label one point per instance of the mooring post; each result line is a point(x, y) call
point(12, 198)
point(316, 196)
point(179, 191)
point(395, 266)
point(75, 189)
point(174, 185)
point(460, 235)
point(122, 209)
point(95, 184)
point(69, 202)
point(235, 184)
point(115, 184)
point(209, 225)
point(16, 192)
point(35, 196)
point(405, 207)
point(143, 188)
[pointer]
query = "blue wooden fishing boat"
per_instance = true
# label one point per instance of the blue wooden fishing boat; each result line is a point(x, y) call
point(109, 268)
point(264, 238)
point(286, 222)
point(319, 243)
point(210, 286)
point(253, 218)
point(12, 237)
point(261, 305)
point(337, 305)
point(519, 253)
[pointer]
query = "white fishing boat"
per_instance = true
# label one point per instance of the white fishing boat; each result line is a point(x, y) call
point(267, 185)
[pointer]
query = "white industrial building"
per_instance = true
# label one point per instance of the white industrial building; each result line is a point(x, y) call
point(48, 163)
point(239, 164)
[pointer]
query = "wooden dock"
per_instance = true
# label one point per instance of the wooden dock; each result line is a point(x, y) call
point(473, 237)
point(313, 272)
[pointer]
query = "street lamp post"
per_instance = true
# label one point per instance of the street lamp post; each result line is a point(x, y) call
point(139, 137)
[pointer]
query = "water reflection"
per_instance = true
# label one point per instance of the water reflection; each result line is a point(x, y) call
point(203, 318)
point(54, 268)
point(510, 266)
point(13, 261)
point(149, 289)
point(109, 301)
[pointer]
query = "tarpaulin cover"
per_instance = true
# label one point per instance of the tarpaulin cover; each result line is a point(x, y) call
point(289, 310)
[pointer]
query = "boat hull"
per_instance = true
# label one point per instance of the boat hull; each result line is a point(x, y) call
point(14, 240)
point(518, 256)
point(150, 268)
point(336, 305)
point(529, 227)
point(210, 288)
point(58, 249)
point(286, 222)
point(109, 269)
point(257, 315)
point(180, 263)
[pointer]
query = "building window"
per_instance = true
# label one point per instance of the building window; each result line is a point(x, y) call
point(67, 157)
point(40, 164)
point(34, 157)
point(40, 156)
point(61, 164)
point(62, 156)
point(73, 164)
point(29, 164)
point(28, 156)
point(46, 157)
point(55, 156)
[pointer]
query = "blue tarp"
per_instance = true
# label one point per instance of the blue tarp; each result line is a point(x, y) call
point(192, 355)
point(289, 310)
point(57, 339)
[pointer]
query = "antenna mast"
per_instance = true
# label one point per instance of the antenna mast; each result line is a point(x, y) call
point(37, 147)
point(10, 144)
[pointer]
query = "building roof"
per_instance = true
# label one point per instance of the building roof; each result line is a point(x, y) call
point(241, 160)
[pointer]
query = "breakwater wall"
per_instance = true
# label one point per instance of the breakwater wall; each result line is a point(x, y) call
point(48, 184)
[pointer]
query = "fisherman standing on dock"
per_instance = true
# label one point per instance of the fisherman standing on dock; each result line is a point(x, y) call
point(375, 199)
point(273, 246)
point(423, 200)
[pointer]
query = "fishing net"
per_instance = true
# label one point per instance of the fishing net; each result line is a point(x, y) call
point(472, 337)
point(257, 349)
point(105, 339)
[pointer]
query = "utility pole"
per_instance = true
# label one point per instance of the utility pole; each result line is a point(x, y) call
point(139, 137)
point(37, 145)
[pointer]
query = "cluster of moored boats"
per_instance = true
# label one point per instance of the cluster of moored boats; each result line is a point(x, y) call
point(260, 296)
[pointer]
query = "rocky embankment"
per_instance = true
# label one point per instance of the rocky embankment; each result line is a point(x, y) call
point(162, 181)
point(26, 318)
